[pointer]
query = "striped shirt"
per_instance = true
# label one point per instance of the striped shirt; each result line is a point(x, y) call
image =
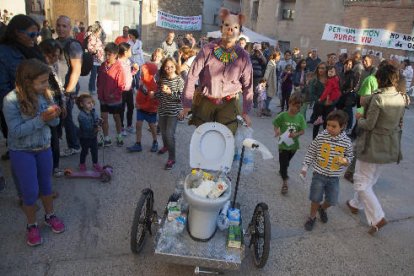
point(170, 105)
point(325, 152)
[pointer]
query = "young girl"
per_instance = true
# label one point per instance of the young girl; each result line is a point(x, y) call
point(169, 93)
point(328, 99)
point(52, 51)
point(290, 123)
point(287, 86)
point(88, 131)
point(29, 111)
point(316, 87)
point(261, 97)
point(124, 55)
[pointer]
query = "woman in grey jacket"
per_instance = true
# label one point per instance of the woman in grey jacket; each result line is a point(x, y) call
point(378, 143)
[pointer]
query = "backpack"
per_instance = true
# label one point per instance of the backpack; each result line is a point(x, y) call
point(87, 59)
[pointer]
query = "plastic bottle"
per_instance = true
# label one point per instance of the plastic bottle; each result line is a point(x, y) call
point(248, 162)
point(222, 220)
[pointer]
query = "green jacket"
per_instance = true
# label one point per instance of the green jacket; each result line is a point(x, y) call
point(379, 140)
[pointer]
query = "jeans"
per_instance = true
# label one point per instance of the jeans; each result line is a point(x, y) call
point(128, 100)
point(304, 109)
point(285, 98)
point(71, 129)
point(350, 112)
point(267, 102)
point(366, 176)
point(35, 173)
point(324, 185)
point(168, 124)
point(54, 143)
point(284, 159)
point(86, 144)
point(92, 78)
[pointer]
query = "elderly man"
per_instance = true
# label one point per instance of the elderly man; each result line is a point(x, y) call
point(70, 74)
point(124, 37)
point(223, 70)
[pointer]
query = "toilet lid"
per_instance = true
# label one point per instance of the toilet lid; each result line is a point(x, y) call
point(212, 147)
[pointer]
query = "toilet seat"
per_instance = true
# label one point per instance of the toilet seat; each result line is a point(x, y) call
point(212, 147)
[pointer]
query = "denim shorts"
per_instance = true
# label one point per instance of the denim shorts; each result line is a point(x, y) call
point(150, 117)
point(324, 185)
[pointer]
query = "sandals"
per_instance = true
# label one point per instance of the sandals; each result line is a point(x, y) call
point(352, 208)
point(375, 228)
point(284, 189)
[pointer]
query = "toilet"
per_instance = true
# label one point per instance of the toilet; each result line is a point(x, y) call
point(211, 149)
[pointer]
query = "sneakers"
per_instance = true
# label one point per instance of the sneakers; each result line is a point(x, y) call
point(163, 150)
point(69, 152)
point(55, 224)
point(318, 121)
point(323, 215)
point(33, 236)
point(135, 148)
point(105, 143)
point(2, 184)
point(169, 165)
point(119, 141)
point(154, 147)
point(131, 130)
point(82, 167)
point(124, 132)
point(310, 223)
point(97, 168)
point(58, 172)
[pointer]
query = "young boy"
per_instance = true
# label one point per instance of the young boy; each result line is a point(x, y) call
point(328, 153)
point(147, 104)
point(110, 83)
point(291, 124)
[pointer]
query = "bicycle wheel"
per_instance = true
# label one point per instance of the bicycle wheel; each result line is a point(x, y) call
point(260, 234)
point(142, 220)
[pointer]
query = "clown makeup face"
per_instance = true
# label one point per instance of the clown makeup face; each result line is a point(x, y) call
point(230, 29)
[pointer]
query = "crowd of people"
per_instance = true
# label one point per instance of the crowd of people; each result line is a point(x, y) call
point(40, 69)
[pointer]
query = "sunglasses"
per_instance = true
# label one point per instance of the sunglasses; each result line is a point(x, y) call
point(31, 34)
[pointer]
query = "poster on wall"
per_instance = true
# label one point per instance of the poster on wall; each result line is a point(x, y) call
point(176, 22)
point(371, 37)
point(36, 9)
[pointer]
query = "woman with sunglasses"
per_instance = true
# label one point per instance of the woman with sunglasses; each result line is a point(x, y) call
point(17, 44)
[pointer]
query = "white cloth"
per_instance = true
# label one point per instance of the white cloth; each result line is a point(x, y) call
point(365, 177)
point(137, 53)
point(408, 75)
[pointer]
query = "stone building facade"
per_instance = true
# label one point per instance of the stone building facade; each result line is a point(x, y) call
point(300, 23)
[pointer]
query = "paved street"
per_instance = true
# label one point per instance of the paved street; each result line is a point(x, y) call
point(98, 217)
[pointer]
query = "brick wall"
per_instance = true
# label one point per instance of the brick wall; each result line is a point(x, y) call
point(305, 31)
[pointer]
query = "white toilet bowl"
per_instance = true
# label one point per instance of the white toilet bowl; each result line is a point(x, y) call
point(211, 148)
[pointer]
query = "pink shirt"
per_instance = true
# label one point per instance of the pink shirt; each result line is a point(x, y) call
point(218, 79)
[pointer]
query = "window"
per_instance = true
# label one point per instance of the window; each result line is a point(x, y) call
point(255, 10)
point(288, 14)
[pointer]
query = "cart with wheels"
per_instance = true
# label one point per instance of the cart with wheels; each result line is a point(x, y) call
point(212, 253)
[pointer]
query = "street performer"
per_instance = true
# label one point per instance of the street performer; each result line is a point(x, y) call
point(223, 70)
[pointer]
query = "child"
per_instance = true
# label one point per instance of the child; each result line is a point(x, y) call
point(52, 51)
point(128, 95)
point(287, 86)
point(29, 111)
point(261, 97)
point(147, 104)
point(170, 89)
point(328, 153)
point(293, 123)
point(328, 99)
point(111, 82)
point(88, 131)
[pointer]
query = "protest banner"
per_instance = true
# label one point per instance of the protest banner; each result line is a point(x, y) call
point(176, 22)
point(371, 37)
